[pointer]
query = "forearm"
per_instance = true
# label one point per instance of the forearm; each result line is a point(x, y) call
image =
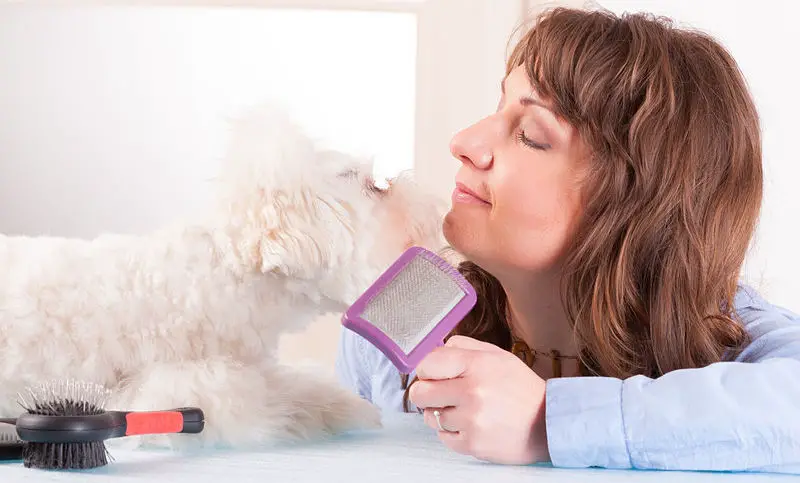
point(725, 417)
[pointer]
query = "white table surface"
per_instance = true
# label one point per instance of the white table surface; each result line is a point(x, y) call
point(404, 451)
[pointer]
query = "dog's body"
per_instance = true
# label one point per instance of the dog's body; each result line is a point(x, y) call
point(192, 315)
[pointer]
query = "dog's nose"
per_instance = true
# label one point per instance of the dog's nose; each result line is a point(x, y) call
point(375, 187)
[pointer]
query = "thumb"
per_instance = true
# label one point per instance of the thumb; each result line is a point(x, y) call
point(444, 363)
point(463, 342)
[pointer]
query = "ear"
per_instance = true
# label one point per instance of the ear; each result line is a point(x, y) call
point(289, 230)
point(301, 230)
point(270, 196)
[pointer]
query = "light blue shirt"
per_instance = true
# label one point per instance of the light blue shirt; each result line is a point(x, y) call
point(742, 415)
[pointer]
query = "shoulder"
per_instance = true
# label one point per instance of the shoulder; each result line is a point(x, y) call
point(774, 330)
point(364, 369)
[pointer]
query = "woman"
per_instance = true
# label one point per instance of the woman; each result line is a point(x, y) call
point(604, 211)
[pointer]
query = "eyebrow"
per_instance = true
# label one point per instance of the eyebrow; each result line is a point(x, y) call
point(526, 101)
point(530, 101)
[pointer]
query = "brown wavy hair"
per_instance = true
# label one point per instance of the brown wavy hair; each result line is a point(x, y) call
point(671, 200)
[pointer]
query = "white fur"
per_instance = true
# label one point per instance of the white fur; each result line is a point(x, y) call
point(191, 315)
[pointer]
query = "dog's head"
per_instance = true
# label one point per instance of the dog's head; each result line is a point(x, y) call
point(316, 215)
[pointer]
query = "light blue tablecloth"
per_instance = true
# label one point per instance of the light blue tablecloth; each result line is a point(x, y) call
point(404, 451)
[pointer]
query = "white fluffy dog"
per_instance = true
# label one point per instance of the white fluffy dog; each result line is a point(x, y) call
point(191, 315)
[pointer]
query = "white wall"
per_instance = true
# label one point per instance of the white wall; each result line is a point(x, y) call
point(113, 119)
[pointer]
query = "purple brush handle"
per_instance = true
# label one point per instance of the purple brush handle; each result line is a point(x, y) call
point(406, 363)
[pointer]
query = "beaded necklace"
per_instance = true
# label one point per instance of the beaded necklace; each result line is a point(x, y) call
point(529, 356)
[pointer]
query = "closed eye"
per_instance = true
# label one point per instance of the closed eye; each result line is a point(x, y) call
point(351, 173)
point(521, 137)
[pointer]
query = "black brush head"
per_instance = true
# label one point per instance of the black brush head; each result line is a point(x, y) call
point(64, 456)
point(65, 398)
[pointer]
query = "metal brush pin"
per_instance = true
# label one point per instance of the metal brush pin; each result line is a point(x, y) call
point(411, 307)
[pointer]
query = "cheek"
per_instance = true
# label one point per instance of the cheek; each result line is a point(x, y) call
point(534, 221)
point(538, 201)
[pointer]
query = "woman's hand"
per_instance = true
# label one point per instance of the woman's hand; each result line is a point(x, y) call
point(492, 406)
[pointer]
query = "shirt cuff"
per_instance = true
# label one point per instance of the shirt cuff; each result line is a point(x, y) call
point(585, 426)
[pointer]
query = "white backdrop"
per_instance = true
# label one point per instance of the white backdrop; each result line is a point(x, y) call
point(113, 119)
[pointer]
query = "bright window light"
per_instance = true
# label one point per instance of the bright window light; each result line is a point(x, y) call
point(114, 118)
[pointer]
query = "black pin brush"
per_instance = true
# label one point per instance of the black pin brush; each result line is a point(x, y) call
point(65, 425)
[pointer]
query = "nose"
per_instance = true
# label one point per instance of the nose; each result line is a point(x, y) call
point(474, 144)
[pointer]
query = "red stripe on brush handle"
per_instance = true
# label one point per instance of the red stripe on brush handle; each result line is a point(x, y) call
point(155, 422)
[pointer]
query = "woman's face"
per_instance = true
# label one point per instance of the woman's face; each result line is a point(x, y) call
point(517, 195)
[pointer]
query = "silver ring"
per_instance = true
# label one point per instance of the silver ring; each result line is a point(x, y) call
point(436, 414)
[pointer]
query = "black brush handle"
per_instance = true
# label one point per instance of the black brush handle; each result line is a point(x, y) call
point(10, 450)
point(10, 446)
point(37, 428)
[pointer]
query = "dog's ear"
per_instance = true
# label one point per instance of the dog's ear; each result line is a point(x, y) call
point(272, 190)
point(301, 230)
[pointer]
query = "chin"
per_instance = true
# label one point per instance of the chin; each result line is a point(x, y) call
point(450, 229)
point(473, 239)
point(460, 234)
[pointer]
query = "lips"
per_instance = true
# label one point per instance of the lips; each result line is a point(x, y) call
point(465, 193)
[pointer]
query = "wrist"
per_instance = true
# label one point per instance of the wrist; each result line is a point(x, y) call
point(545, 458)
point(539, 448)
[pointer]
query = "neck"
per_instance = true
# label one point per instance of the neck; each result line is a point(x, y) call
point(536, 313)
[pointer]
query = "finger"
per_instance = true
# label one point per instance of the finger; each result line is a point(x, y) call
point(444, 363)
point(452, 419)
point(437, 393)
point(463, 342)
point(458, 442)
